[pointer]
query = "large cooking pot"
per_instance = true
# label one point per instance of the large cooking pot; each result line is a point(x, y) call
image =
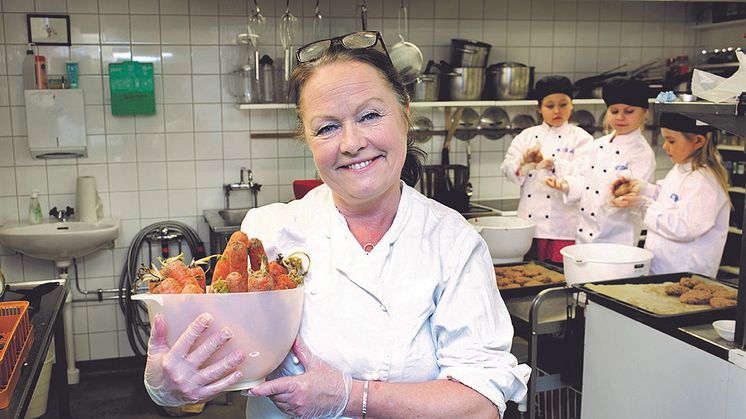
point(597, 262)
point(507, 81)
point(462, 83)
point(508, 238)
point(468, 53)
point(424, 88)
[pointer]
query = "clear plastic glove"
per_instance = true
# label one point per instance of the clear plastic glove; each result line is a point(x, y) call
point(554, 183)
point(632, 200)
point(175, 376)
point(546, 164)
point(321, 391)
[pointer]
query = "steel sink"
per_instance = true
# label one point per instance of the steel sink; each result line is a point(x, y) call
point(234, 216)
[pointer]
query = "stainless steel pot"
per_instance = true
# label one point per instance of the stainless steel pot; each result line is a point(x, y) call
point(424, 88)
point(468, 53)
point(508, 81)
point(462, 83)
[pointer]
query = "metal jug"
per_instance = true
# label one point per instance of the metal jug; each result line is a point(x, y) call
point(243, 85)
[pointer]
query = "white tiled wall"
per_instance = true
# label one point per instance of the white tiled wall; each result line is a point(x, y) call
point(172, 165)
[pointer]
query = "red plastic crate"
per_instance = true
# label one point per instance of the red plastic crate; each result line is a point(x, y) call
point(15, 339)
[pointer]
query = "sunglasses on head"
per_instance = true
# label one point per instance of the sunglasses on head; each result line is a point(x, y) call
point(354, 40)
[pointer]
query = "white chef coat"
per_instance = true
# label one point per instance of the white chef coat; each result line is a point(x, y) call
point(589, 184)
point(422, 305)
point(540, 203)
point(687, 224)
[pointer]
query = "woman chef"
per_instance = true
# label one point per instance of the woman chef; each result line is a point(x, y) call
point(531, 158)
point(687, 213)
point(624, 154)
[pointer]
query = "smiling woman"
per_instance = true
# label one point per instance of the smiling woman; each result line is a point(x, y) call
point(396, 321)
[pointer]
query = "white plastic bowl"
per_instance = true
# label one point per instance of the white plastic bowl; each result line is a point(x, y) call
point(508, 238)
point(726, 329)
point(264, 324)
point(597, 262)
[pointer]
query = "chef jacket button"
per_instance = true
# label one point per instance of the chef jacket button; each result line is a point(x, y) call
point(587, 187)
point(593, 214)
point(580, 230)
point(536, 136)
point(559, 136)
point(593, 167)
point(596, 192)
point(617, 152)
point(529, 175)
point(552, 154)
point(548, 196)
point(554, 171)
point(529, 216)
point(601, 146)
point(529, 195)
point(582, 209)
point(604, 170)
point(546, 216)
point(590, 234)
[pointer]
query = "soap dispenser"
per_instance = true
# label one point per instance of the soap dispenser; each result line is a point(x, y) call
point(34, 208)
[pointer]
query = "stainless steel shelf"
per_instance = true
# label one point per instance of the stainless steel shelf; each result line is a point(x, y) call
point(719, 115)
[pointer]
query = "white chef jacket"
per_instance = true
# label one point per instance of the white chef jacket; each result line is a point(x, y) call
point(423, 304)
point(687, 224)
point(589, 184)
point(540, 203)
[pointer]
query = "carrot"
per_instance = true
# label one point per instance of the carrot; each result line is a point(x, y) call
point(199, 275)
point(236, 282)
point(169, 286)
point(256, 253)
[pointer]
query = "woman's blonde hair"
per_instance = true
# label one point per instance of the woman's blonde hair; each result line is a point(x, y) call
point(708, 157)
point(608, 129)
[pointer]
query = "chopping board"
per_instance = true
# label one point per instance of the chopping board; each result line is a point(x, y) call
point(652, 297)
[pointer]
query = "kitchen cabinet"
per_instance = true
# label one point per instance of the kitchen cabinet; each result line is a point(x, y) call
point(632, 369)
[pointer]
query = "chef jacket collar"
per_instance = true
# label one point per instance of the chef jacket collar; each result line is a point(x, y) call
point(626, 137)
point(684, 167)
point(561, 129)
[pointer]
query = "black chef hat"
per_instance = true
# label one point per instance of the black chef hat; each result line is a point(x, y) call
point(550, 85)
point(681, 123)
point(630, 92)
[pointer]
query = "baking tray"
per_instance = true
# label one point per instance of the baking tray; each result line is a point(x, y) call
point(707, 314)
point(529, 291)
point(15, 342)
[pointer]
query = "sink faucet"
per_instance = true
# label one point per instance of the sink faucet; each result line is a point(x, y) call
point(246, 182)
point(63, 215)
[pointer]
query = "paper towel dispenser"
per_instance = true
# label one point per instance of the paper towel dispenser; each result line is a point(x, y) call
point(56, 123)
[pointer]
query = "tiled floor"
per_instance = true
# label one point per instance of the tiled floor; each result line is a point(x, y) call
point(121, 394)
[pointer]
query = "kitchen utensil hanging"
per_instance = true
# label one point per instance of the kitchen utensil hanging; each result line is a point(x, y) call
point(288, 31)
point(455, 118)
point(364, 15)
point(421, 123)
point(406, 56)
point(583, 119)
point(317, 21)
point(467, 125)
point(494, 123)
point(256, 25)
point(522, 121)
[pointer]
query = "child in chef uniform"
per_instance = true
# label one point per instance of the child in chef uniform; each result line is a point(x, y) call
point(622, 155)
point(532, 156)
point(687, 213)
